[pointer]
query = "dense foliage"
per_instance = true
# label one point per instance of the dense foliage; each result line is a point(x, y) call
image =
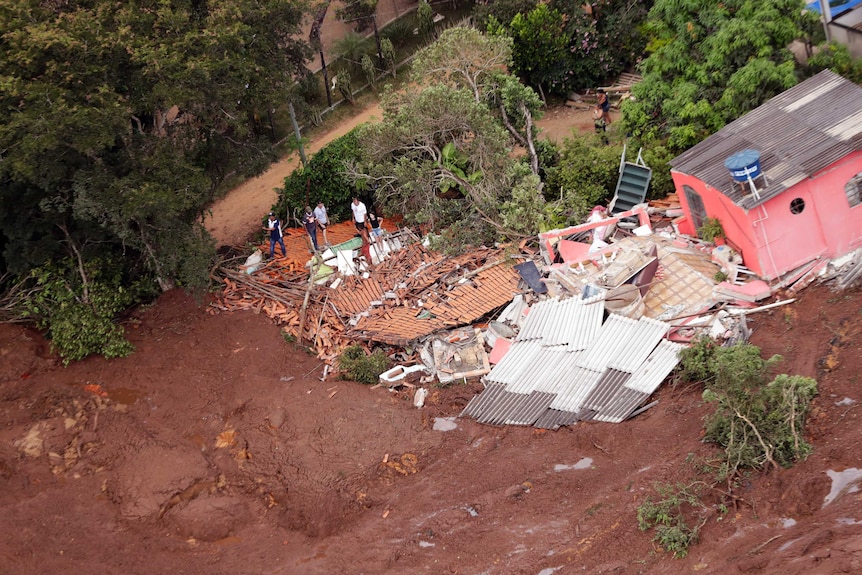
point(322, 180)
point(566, 45)
point(758, 423)
point(119, 122)
point(710, 62)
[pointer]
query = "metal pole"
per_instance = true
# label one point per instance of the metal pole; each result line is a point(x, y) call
point(826, 16)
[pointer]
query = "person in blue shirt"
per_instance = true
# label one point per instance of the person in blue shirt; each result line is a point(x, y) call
point(273, 226)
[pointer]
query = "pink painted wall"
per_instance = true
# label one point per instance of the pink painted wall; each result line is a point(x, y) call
point(771, 238)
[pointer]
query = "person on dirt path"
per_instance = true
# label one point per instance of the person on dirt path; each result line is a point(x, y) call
point(276, 236)
point(359, 213)
point(322, 220)
point(604, 105)
point(310, 223)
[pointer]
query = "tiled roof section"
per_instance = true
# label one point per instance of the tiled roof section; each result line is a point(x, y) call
point(482, 293)
point(397, 326)
point(798, 133)
point(356, 294)
point(542, 381)
point(471, 300)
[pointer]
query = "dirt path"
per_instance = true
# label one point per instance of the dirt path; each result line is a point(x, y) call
point(238, 214)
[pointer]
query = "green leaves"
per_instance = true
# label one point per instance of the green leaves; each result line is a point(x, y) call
point(758, 424)
point(711, 63)
point(77, 306)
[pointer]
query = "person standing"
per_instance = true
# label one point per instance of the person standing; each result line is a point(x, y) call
point(359, 213)
point(376, 230)
point(310, 223)
point(603, 104)
point(322, 220)
point(273, 226)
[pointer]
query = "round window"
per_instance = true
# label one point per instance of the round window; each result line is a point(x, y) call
point(797, 206)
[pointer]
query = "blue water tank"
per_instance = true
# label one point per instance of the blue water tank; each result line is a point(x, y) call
point(743, 165)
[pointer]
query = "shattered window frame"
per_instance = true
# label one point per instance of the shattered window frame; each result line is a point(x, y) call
point(695, 205)
point(853, 190)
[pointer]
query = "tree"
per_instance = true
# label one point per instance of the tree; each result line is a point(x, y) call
point(119, 123)
point(317, 44)
point(436, 135)
point(323, 179)
point(463, 57)
point(566, 45)
point(362, 14)
point(501, 10)
point(389, 56)
point(710, 63)
point(540, 46)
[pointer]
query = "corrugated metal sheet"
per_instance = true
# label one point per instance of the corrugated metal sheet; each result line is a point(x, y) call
point(798, 133)
point(622, 362)
point(554, 418)
point(545, 365)
point(574, 387)
point(611, 381)
point(520, 358)
point(641, 384)
point(480, 402)
point(654, 370)
point(618, 407)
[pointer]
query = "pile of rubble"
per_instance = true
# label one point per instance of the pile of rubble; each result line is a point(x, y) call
point(578, 329)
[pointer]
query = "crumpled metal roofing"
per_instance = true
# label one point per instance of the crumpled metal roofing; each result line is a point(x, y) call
point(798, 133)
point(545, 381)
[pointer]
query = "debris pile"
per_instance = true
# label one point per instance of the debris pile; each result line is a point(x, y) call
point(406, 293)
point(580, 329)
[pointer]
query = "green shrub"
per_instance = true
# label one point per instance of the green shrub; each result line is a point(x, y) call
point(322, 180)
point(399, 32)
point(586, 174)
point(357, 365)
point(667, 515)
point(78, 315)
point(758, 423)
point(760, 426)
point(710, 229)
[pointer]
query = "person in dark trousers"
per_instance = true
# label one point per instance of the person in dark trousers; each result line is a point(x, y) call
point(273, 226)
point(359, 213)
point(310, 223)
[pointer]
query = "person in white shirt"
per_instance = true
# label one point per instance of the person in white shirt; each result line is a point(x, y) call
point(359, 213)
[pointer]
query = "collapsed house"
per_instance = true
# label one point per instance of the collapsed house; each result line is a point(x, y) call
point(588, 326)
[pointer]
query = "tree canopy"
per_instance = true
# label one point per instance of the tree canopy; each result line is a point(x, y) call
point(565, 45)
point(119, 121)
point(711, 62)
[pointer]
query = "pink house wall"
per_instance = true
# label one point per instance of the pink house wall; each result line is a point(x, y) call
point(771, 238)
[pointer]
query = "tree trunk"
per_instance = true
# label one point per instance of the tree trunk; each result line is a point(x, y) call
point(381, 62)
point(325, 77)
point(531, 146)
